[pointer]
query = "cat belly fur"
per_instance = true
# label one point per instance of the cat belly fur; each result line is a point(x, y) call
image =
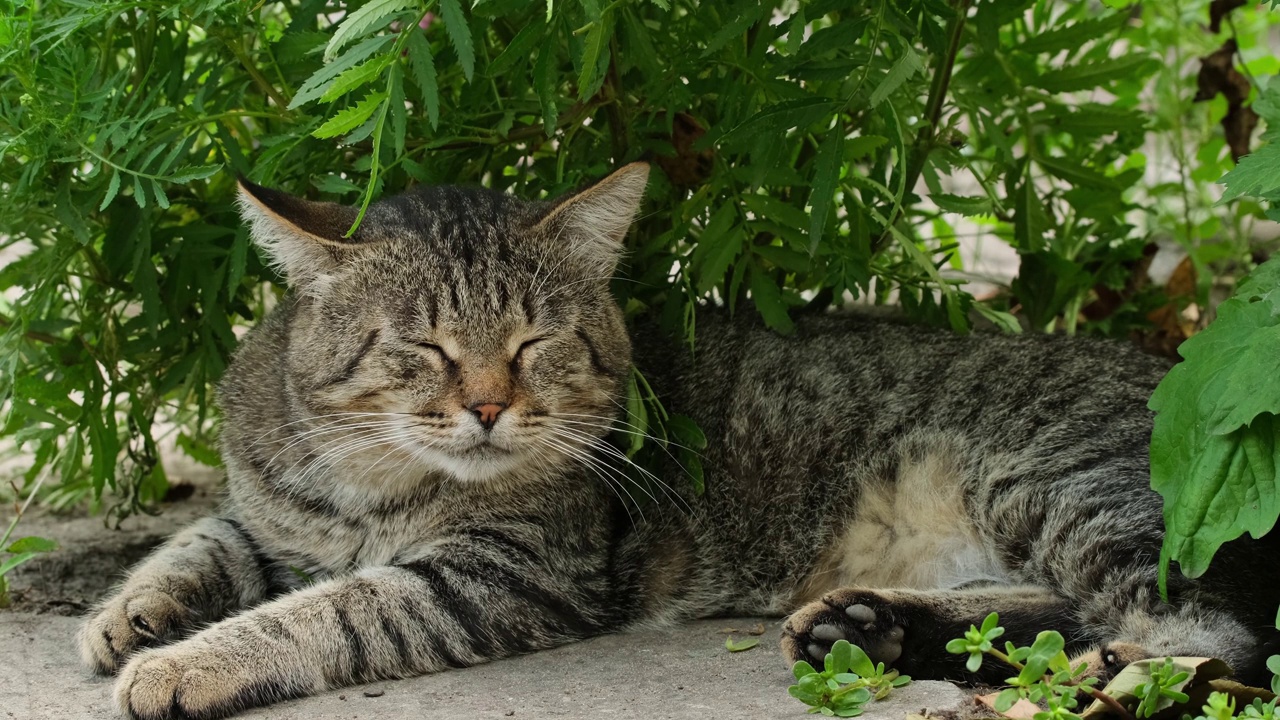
point(909, 531)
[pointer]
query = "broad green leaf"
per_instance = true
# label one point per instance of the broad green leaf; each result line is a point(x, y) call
point(903, 70)
point(1215, 446)
point(455, 23)
point(375, 12)
point(735, 647)
point(14, 561)
point(32, 544)
point(1044, 651)
point(351, 117)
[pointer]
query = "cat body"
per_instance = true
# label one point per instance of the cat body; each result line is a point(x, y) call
point(419, 478)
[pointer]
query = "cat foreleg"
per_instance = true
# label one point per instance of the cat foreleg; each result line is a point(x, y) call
point(201, 575)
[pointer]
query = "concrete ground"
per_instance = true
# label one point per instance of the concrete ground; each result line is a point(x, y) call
point(674, 673)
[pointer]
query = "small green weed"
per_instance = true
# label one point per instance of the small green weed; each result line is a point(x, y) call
point(847, 682)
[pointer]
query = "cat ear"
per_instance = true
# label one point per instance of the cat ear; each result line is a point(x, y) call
point(597, 219)
point(304, 239)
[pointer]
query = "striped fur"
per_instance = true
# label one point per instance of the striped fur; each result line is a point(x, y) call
point(873, 480)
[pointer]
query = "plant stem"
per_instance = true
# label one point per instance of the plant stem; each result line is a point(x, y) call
point(923, 144)
point(1097, 694)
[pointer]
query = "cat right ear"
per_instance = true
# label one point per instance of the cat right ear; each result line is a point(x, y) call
point(304, 239)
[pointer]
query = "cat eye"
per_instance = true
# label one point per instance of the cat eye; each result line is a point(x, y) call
point(525, 346)
point(435, 349)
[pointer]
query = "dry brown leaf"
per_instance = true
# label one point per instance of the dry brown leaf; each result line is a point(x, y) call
point(1023, 709)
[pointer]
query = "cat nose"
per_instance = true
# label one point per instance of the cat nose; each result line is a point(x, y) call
point(487, 413)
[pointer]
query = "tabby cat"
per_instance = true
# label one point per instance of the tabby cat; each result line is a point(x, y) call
point(420, 428)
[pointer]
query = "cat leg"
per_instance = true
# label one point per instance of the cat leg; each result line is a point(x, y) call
point(909, 629)
point(460, 604)
point(203, 573)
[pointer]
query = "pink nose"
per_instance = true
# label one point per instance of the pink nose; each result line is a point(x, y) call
point(487, 413)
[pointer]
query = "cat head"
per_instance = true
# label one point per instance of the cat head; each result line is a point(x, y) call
point(464, 330)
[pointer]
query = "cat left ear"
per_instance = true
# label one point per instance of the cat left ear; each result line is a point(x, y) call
point(598, 218)
point(303, 238)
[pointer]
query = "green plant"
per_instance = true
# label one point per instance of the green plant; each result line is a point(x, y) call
point(1163, 689)
point(847, 682)
point(1216, 442)
point(807, 152)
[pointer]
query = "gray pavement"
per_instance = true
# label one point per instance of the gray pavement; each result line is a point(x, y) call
point(674, 673)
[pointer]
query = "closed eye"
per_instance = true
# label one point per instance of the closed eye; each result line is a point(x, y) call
point(435, 349)
point(525, 346)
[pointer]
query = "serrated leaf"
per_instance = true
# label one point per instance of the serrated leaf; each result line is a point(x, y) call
point(718, 245)
point(113, 187)
point(1073, 35)
point(359, 22)
point(351, 117)
point(826, 176)
point(193, 172)
point(319, 81)
point(967, 206)
point(455, 23)
point(1215, 446)
point(1090, 75)
point(1257, 174)
point(544, 82)
point(520, 48)
point(903, 70)
point(768, 301)
point(356, 77)
point(592, 49)
point(424, 74)
point(778, 118)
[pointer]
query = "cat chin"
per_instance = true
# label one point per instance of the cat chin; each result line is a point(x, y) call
point(477, 466)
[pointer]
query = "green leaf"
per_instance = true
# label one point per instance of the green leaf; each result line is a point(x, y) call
point(903, 70)
point(802, 668)
point(1006, 699)
point(455, 23)
point(32, 545)
point(424, 74)
point(1090, 75)
point(1257, 174)
point(1073, 35)
point(825, 178)
point(1215, 445)
point(592, 53)
point(1044, 651)
point(746, 644)
point(351, 117)
point(520, 48)
point(778, 118)
point(841, 655)
point(14, 561)
point(967, 206)
point(768, 301)
point(356, 77)
point(718, 245)
point(319, 81)
point(113, 187)
point(357, 23)
point(545, 81)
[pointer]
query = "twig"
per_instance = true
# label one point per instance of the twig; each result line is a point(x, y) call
point(923, 144)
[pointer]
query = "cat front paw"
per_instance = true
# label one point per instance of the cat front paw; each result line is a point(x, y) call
point(128, 622)
point(193, 679)
point(862, 617)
